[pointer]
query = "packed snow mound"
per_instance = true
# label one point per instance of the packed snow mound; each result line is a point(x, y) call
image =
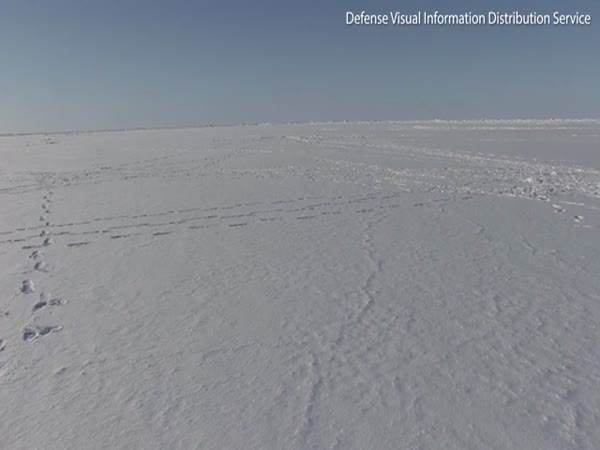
point(323, 285)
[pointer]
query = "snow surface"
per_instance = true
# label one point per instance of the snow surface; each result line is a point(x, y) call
point(327, 285)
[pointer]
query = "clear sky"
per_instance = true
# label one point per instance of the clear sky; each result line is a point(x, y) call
point(80, 64)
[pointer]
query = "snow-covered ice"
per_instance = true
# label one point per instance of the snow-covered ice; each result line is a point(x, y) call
point(325, 285)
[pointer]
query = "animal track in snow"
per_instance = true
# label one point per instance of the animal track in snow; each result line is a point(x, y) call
point(48, 242)
point(28, 287)
point(41, 266)
point(57, 302)
point(2, 344)
point(39, 305)
point(328, 206)
point(332, 202)
point(32, 333)
point(78, 244)
point(29, 247)
point(223, 220)
point(45, 300)
point(269, 219)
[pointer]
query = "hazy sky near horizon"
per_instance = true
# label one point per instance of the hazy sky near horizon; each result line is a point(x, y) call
point(79, 64)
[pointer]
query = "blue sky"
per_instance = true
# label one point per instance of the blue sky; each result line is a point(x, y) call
point(78, 64)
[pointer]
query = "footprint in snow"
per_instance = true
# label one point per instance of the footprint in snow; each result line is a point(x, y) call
point(48, 242)
point(39, 305)
point(57, 302)
point(41, 266)
point(2, 344)
point(46, 300)
point(78, 244)
point(578, 219)
point(32, 333)
point(28, 287)
point(42, 303)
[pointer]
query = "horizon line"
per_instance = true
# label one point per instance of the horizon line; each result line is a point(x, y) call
point(297, 122)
